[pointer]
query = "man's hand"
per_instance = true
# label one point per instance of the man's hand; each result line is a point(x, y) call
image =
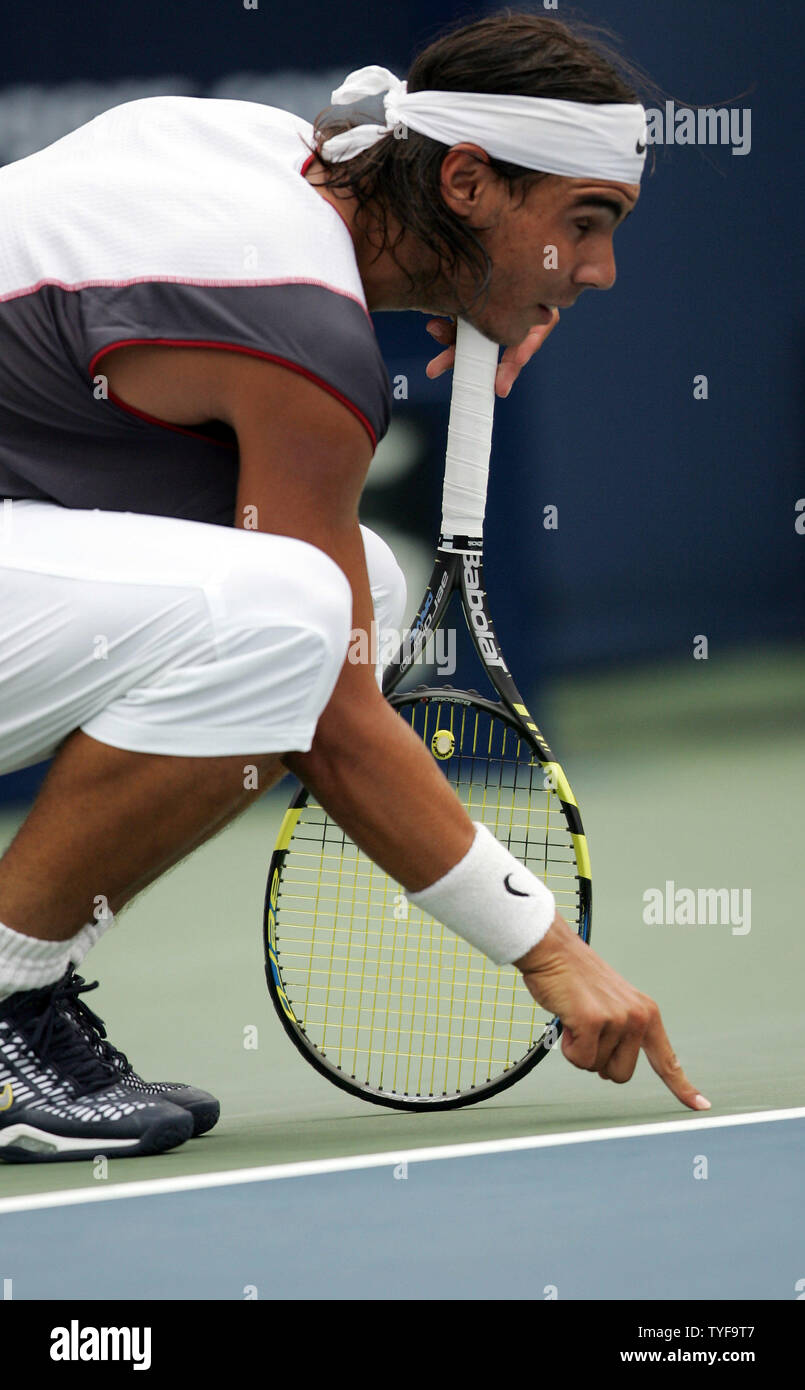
point(605, 1021)
point(511, 363)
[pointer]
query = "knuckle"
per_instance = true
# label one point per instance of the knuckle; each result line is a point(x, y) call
point(639, 1018)
point(583, 1057)
point(649, 1011)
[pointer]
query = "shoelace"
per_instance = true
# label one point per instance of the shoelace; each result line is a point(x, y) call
point(73, 987)
point(53, 1036)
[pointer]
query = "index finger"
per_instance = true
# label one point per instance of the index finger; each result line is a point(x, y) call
point(517, 355)
point(661, 1055)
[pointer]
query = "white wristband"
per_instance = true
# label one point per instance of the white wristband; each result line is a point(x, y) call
point(491, 899)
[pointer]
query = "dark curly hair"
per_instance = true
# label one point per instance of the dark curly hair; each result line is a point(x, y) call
point(512, 52)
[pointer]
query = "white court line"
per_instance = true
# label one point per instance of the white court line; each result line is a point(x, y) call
point(154, 1187)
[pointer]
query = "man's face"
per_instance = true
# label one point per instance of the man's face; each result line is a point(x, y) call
point(544, 249)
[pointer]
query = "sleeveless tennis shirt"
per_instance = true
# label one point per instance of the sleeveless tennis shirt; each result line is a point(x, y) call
point(172, 220)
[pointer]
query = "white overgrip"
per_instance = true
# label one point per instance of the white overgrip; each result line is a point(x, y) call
point(469, 433)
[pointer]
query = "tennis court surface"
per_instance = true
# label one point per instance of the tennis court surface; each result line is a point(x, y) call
point(701, 1210)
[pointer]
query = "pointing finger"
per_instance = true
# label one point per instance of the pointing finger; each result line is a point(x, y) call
point(662, 1057)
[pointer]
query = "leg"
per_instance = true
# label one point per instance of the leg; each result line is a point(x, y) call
point(155, 657)
point(169, 657)
point(389, 594)
point(108, 822)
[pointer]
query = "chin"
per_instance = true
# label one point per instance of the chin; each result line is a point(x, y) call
point(501, 333)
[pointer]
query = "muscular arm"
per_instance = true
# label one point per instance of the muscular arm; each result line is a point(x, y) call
point(303, 462)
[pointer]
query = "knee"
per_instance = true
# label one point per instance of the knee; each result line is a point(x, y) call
point(320, 596)
point(386, 581)
point(289, 585)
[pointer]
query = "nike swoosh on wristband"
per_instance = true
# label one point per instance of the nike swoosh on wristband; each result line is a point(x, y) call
point(7, 1096)
point(515, 892)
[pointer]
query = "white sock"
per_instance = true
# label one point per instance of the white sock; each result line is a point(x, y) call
point(28, 963)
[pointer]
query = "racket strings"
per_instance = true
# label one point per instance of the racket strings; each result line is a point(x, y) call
point(384, 992)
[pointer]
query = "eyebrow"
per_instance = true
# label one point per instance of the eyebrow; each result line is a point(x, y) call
point(598, 200)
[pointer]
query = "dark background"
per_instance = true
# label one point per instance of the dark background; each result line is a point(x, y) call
point(676, 516)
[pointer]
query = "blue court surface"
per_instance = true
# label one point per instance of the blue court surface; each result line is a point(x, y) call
point(692, 1209)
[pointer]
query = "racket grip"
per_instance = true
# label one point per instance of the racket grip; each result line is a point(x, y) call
point(469, 433)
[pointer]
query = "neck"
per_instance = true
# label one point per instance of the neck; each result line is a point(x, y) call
point(385, 283)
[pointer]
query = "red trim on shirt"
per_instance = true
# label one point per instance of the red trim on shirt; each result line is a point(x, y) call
point(228, 347)
point(166, 424)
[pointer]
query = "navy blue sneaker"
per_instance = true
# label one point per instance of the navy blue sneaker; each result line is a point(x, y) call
point(60, 1100)
point(204, 1108)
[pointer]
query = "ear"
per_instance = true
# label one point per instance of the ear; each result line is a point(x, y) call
point(467, 182)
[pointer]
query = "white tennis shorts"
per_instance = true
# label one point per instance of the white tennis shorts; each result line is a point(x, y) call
point(166, 636)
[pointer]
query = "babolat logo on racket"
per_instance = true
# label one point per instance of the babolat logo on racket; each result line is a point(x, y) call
point(475, 603)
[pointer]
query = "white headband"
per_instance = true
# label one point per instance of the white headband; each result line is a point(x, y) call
point(573, 138)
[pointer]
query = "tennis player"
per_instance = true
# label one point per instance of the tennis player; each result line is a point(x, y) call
point(191, 393)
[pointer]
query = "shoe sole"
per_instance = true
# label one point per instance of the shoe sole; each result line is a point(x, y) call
point(24, 1143)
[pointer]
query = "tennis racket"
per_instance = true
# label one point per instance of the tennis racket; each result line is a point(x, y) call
point(376, 995)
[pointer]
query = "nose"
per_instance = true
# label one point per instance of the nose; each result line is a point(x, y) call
point(597, 274)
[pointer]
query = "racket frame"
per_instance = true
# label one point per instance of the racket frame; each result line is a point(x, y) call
point(295, 1029)
point(458, 568)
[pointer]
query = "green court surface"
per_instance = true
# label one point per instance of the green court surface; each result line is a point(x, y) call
point(692, 773)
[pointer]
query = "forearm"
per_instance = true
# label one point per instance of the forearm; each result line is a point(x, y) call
point(373, 775)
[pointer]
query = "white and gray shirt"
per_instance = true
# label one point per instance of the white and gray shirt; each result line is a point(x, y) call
point(174, 220)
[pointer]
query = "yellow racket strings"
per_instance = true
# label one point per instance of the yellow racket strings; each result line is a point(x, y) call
point(382, 990)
